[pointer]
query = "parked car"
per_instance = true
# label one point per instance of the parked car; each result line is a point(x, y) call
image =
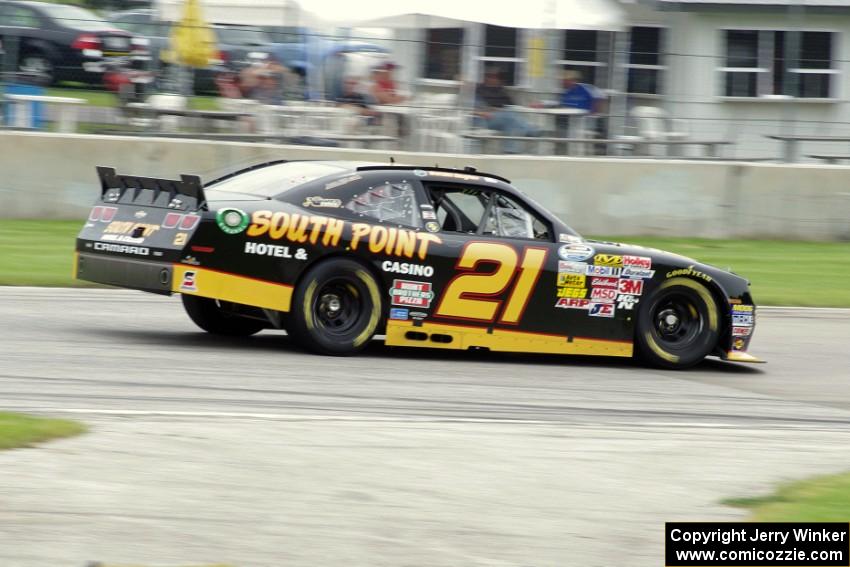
point(62, 42)
point(237, 45)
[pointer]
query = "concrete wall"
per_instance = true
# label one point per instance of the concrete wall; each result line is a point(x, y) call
point(53, 176)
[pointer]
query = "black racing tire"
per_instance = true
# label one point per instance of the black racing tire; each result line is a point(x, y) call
point(677, 325)
point(336, 308)
point(214, 317)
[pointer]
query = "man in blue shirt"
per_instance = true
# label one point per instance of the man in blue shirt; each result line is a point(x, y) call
point(580, 95)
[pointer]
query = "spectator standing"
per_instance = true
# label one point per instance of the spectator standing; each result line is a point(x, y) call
point(384, 88)
point(492, 100)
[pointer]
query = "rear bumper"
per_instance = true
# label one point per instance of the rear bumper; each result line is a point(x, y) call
point(144, 275)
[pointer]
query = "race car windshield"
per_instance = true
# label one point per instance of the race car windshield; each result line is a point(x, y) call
point(275, 179)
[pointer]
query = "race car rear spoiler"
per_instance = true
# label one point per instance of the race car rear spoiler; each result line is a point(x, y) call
point(185, 194)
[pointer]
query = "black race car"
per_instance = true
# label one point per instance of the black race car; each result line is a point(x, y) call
point(338, 252)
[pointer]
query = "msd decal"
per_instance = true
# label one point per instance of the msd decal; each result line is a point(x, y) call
point(603, 294)
point(411, 294)
point(630, 287)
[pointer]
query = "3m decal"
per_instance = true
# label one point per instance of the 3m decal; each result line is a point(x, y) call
point(640, 273)
point(637, 262)
point(407, 269)
point(571, 280)
point(473, 295)
point(411, 294)
point(689, 271)
point(603, 271)
point(603, 294)
point(572, 292)
point(569, 303)
point(601, 281)
point(601, 310)
point(607, 260)
point(571, 267)
point(188, 281)
point(627, 302)
point(630, 287)
point(575, 252)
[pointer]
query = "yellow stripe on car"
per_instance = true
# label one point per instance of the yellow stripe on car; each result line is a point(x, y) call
point(231, 287)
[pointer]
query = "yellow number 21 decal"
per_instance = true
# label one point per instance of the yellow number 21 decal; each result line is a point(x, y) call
point(471, 295)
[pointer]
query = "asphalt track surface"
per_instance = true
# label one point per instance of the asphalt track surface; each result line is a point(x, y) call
point(254, 453)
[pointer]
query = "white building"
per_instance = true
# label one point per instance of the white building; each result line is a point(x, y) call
point(733, 70)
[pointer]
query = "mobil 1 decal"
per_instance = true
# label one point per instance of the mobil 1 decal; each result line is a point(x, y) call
point(493, 282)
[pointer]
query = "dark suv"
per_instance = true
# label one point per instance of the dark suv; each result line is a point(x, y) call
point(61, 42)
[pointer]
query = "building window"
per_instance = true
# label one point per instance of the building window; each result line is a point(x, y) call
point(442, 57)
point(589, 53)
point(760, 63)
point(646, 64)
point(501, 51)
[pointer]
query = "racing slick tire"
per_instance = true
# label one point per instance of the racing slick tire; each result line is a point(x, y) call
point(336, 308)
point(212, 316)
point(678, 325)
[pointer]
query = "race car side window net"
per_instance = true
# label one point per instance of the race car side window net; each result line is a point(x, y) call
point(388, 202)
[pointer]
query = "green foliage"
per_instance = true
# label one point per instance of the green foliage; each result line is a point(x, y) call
point(820, 499)
point(18, 430)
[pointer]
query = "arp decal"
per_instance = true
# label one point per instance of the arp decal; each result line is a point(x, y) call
point(571, 280)
point(608, 260)
point(575, 252)
point(641, 262)
point(411, 294)
point(630, 287)
point(188, 281)
point(475, 296)
point(601, 310)
point(572, 303)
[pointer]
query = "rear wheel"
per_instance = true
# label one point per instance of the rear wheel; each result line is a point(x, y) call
point(38, 64)
point(336, 308)
point(218, 317)
point(678, 325)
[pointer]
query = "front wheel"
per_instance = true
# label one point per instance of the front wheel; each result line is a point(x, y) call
point(217, 317)
point(336, 308)
point(678, 325)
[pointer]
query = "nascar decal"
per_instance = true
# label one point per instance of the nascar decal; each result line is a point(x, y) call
point(473, 296)
point(411, 293)
point(575, 252)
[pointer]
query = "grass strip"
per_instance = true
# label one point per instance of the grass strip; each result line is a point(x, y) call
point(813, 274)
point(818, 499)
point(18, 430)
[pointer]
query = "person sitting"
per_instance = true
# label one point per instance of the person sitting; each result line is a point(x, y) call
point(492, 101)
point(351, 97)
point(581, 95)
point(384, 89)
